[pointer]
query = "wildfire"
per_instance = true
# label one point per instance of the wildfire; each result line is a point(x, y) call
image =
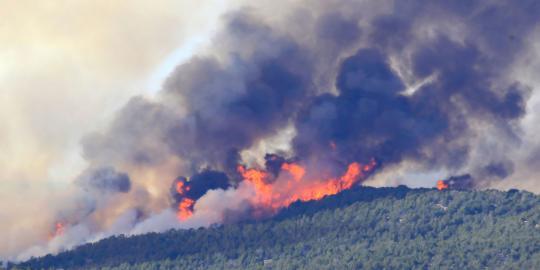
point(180, 187)
point(269, 192)
point(295, 170)
point(297, 185)
point(441, 185)
point(185, 208)
point(258, 178)
point(59, 229)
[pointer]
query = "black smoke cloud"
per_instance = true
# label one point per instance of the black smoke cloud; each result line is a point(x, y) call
point(371, 116)
point(342, 78)
point(273, 163)
point(198, 184)
point(231, 105)
point(460, 182)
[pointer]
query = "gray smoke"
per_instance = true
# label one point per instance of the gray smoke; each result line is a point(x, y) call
point(104, 179)
point(424, 82)
point(263, 76)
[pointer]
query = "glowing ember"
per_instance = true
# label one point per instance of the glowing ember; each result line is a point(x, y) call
point(441, 185)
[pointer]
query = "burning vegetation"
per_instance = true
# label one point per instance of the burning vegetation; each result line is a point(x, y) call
point(441, 185)
point(293, 184)
point(460, 182)
point(244, 94)
point(271, 191)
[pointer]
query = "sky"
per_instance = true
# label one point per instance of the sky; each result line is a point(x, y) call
point(69, 72)
point(66, 67)
point(59, 53)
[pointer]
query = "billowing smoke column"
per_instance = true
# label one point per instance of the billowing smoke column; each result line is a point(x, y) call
point(363, 84)
point(185, 192)
point(105, 179)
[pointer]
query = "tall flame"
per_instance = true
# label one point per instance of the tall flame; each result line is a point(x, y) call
point(185, 206)
point(295, 170)
point(293, 183)
point(297, 186)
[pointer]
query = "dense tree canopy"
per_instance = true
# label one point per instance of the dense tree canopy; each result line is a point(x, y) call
point(363, 228)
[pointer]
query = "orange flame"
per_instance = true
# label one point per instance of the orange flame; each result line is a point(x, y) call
point(441, 185)
point(184, 209)
point(59, 229)
point(258, 179)
point(295, 170)
point(297, 186)
point(185, 205)
point(180, 187)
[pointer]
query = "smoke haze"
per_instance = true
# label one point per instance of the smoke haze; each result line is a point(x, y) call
point(442, 89)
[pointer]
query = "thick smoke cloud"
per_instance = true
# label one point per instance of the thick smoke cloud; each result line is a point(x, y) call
point(460, 182)
point(424, 82)
point(137, 136)
point(198, 185)
point(418, 82)
point(105, 179)
point(228, 103)
point(372, 117)
point(249, 95)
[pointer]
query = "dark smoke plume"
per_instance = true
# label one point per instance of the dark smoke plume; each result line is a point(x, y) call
point(392, 81)
point(273, 163)
point(424, 84)
point(198, 184)
point(460, 182)
point(105, 179)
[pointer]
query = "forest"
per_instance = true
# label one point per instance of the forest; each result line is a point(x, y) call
point(361, 228)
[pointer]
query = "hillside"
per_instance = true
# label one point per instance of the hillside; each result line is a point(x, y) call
point(363, 228)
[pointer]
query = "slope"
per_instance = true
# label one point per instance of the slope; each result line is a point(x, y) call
point(363, 228)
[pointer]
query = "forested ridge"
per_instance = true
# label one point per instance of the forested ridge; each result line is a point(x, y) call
point(362, 228)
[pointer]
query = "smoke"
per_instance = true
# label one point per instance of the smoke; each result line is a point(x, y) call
point(199, 183)
point(105, 179)
point(459, 182)
point(386, 84)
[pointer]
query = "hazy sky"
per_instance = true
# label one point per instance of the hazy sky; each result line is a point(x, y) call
point(66, 67)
